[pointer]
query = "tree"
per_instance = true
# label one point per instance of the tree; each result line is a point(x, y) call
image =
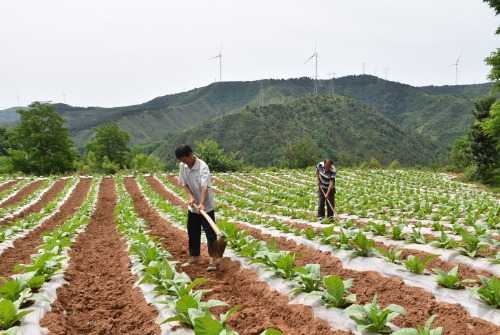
point(483, 146)
point(479, 152)
point(4, 141)
point(147, 163)
point(461, 155)
point(42, 143)
point(492, 124)
point(110, 145)
point(302, 153)
point(215, 157)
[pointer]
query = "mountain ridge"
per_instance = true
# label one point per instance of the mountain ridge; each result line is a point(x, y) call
point(422, 110)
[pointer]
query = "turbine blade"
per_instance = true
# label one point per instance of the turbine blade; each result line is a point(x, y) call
point(307, 61)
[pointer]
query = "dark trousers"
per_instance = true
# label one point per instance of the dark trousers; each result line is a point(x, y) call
point(322, 203)
point(195, 222)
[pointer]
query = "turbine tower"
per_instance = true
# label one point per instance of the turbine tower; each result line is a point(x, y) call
point(386, 73)
point(456, 65)
point(219, 56)
point(315, 57)
point(332, 82)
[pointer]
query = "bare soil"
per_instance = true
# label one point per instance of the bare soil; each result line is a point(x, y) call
point(23, 248)
point(23, 193)
point(47, 197)
point(8, 185)
point(100, 298)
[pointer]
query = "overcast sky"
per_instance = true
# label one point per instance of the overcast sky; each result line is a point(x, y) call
point(120, 52)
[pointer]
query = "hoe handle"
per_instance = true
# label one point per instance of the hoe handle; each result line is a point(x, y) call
point(327, 200)
point(211, 223)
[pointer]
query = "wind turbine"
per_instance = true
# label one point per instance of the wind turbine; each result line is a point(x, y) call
point(315, 57)
point(332, 82)
point(219, 56)
point(386, 73)
point(456, 64)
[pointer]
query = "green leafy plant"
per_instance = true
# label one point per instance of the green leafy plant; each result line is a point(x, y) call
point(271, 331)
point(437, 226)
point(327, 235)
point(13, 289)
point(449, 279)
point(342, 240)
point(444, 241)
point(372, 318)
point(392, 254)
point(417, 264)
point(470, 245)
point(421, 330)
point(489, 291)
point(362, 246)
point(188, 307)
point(285, 265)
point(10, 314)
point(43, 265)
point(309, 233)
point(206, 324)
point(309, 278)
point(397, 233)
point(496, 259)
point(416, 236)
point(377, 228)
point(337, 293)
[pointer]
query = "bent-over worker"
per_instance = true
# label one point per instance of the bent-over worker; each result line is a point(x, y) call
point(195, 177)
point(326, 174)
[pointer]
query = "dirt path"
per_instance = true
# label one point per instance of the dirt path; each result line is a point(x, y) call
point(47, 197)
point(99, 298)
point(23, 193)
point(24, 247)
point(419, 304)
point(261, 307)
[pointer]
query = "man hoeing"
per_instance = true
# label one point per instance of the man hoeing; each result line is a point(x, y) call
point(326, 173)
point(195, 177)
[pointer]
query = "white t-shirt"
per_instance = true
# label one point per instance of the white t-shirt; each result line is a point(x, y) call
point(195, 178)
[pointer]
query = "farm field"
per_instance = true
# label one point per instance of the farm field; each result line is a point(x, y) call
point(103, 255)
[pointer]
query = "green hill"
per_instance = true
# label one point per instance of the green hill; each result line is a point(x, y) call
point(441, 114)
point(342, 128)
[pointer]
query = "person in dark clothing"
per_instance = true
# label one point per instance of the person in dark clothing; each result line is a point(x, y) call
point(326, 174)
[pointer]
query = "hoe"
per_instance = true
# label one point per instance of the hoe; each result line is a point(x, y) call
point(217, 248)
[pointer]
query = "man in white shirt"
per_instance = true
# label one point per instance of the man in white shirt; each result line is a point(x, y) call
point(194, 176)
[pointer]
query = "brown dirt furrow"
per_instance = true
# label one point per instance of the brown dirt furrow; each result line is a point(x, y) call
point(153, 182)
point(24, 247)
point(419, 304)
point(261, 307)
point(8, 185)
point(100, 298)
point(47, 197)
point(23, 193)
